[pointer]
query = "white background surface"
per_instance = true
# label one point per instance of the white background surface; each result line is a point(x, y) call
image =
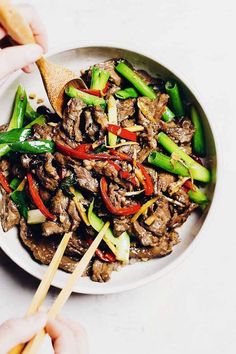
point(193, 308)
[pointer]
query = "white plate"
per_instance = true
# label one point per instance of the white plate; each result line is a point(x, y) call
point(133, 275)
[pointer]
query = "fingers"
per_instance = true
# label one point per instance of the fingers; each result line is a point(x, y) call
point(14, 58)
point(20, 330)
point(67, 337)
point(36, 25)
point(2, 33)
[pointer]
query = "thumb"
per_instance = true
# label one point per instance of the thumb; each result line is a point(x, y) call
point(20, 330)
point(14, 58)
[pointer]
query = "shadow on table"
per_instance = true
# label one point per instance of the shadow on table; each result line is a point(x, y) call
point(22, 278)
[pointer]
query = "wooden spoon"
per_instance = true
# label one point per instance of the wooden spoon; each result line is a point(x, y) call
point(55, 77)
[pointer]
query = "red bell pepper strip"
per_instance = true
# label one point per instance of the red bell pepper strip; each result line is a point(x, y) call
point(108, 257)
point(121, 132)
point(124, 174)
point(120, 155)
point(81, 153)
point(83, 147)
point(92, 92)
point(4, 183)
point(113, 210)
point(37, 199)
point(188, 185)
point(147, 181)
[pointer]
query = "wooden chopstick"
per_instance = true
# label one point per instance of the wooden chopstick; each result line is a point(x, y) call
point(33, 345)
point(44, 285)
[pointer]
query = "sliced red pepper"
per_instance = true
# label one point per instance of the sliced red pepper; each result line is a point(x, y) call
point(92, 92)
point(4, 183)
point(104, 91)
point(120, 155)
point(188, 185)
point(104, 256)
point(37, 199)
point(121, 132)
point(83, 147)
point(124, 174)
point(147, 181)
point(113, 210)
point(81, 153)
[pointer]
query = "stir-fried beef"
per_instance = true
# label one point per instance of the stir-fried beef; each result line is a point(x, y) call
point(101, 271)
point(119, 180)
point(9, 213)
point(71, 119)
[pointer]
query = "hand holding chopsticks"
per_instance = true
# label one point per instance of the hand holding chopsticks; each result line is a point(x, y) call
point(34, 344)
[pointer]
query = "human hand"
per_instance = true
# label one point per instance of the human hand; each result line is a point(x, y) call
point(16, 57)
point(67, 337)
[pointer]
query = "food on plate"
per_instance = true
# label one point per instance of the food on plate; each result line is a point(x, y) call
point(128, 149)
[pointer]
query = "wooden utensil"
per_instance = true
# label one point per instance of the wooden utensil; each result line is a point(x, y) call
point(44, 285)
point(33, 345)
point(55, 77)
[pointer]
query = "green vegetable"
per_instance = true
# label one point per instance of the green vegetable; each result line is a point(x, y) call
point(197, 196)
point(168, 164)
point(129, 92)
point(99, 78)
point(39, 120)
point(198, 136)
point(20, 199)
point(112, 118)
point(30, 113)
point(15, 183)
point(120, 246)
point(35, 217)
point(33, 147)
point(17, 117)
point(168, 115)
point(68, 182)
point(176, 102)
point(196, 170)
point(138, 83)
point(14, 135)
point(85, 97)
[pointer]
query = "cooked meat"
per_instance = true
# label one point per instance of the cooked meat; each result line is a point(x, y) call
point(63, 139)
point(59, 203)
point(44, 194)
point(181, 132)
point(109, 66)
point(111, 90)
point(179, 219)
point(71, 119)
point(74, 215)
point(153, 109)
point(49, 168)
point(121, 225)
point(125, 108)
point(45, 131)
point(101, 271)
point(161, 217)
point(146, 238)
point(163, 248)
point(91, 128)
point(148, 79)
point(42, 248)
point(48, 182)
point(4, 166)
point(64, 161)
point(100, 117)
point(9, 213)
point(50, 228)
point(76, 246)
point(85, 179)
point(3, 127)
point(163, 181)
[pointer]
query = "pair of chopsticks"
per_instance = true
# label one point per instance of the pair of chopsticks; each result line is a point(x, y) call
point(33, 345)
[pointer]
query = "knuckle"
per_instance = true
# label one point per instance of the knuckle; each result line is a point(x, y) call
point(9, 326)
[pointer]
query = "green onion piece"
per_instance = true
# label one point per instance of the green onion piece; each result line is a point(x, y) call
point(166, 163)
point(15, 183)
point(99, 78)
point(30, 113)
point(14, 135)
point(41, 120)
point(198, 136)
point(35, 217)
point(85, 97)
point(33, 147)
point(112, 118)
point(197, 196)
point(120, 246)
point(197, 171)
point(17, 117)
point(20, 199)
point(129, 92)
point(176, 102)
point(168, 115)
point(138, 83)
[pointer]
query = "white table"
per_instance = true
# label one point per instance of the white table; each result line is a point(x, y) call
point(193, 308)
